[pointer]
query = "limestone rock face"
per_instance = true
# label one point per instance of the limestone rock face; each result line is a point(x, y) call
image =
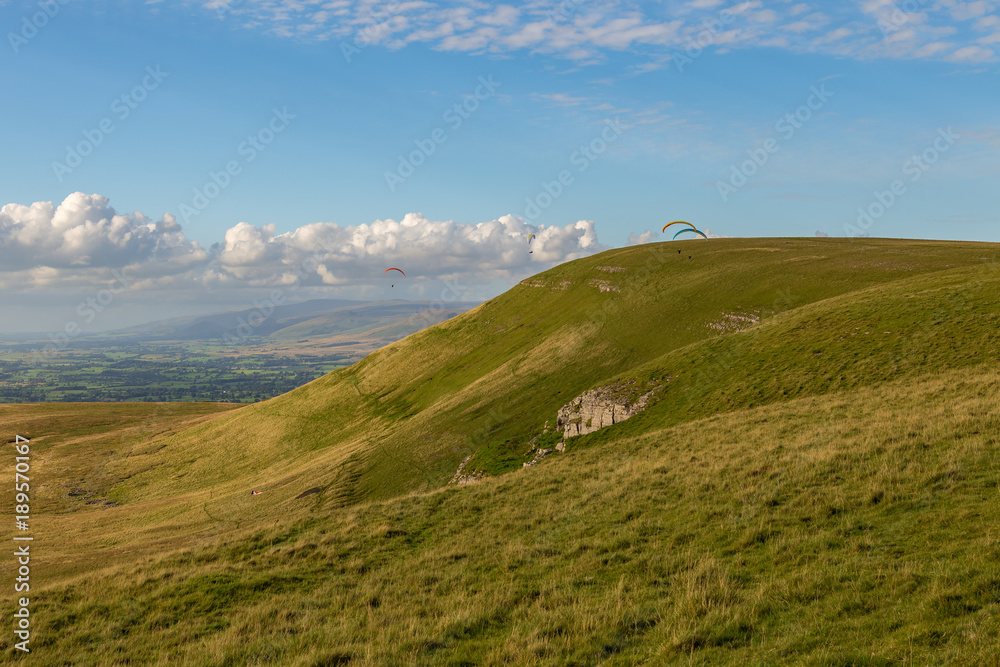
point(596, 409)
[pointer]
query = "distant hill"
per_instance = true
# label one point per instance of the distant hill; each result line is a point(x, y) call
point(813, 479)
point(318, 317)
point(249, 355)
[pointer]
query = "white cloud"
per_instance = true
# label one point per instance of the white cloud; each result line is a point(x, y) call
point(835, 35)
point(78, 244)
point(503, 15)
point(561, 98)
point(584, 30)
point(764, 16)
point(971, 54)
point(968, 10)
point(799, 26)
point(987, 23)
point(645, 237)
point(704, 4)
point(84, 231)
point(246, 247)
point(931, 49)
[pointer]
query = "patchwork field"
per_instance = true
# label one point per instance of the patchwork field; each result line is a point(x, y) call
point(201, 358)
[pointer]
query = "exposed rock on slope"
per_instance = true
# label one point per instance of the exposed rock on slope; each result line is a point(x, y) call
point(598, 408)
point(462, 478)
point(561, 285)
point(603, 285)
point(735, 321)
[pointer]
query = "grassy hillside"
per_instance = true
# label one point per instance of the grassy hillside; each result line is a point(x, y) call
point(815, 471)
point(848, 529)
point(486, 382)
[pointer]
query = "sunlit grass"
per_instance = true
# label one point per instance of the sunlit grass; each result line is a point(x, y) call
point(838, 529)
point(808, 490)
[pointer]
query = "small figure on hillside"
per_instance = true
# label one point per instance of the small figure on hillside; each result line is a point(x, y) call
point(255, 493)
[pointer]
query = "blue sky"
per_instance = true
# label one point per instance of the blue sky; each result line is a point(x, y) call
point(650, 112)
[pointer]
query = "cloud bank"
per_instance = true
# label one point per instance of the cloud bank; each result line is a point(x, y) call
point(80, 244)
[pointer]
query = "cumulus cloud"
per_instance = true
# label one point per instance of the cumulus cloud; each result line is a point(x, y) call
point(327, 253)
point(645, 237)
point(81, 242)
point(84, 231)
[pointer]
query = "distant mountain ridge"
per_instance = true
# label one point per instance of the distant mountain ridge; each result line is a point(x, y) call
point(315, 317)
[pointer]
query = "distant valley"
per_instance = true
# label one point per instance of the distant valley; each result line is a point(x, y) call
point(244, 356)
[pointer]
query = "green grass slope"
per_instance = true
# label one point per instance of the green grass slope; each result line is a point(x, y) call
point(486, 382)
point(847, 529)
point(924, 324)
point(818, 455)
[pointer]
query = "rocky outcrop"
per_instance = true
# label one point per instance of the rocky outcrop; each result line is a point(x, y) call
point(462, 478)
point(603, 285)
point(735, 322)
point(598, 408)
point(586, 413)
point(561, 285)
point(539, 455)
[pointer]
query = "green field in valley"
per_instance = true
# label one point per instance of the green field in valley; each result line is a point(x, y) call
point(173, 371)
